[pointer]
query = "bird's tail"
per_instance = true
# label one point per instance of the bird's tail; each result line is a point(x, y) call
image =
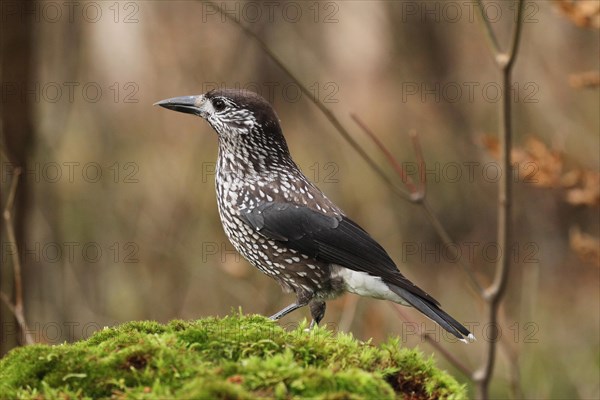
point(434, 312)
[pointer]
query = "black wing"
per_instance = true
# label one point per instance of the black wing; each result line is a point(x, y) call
point(332, 239)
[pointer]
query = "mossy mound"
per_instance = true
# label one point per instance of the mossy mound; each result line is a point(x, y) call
point(238, 357)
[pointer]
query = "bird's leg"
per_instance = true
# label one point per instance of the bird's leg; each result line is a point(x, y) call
point(302, 298)
point(286, 311)
point(317, 312)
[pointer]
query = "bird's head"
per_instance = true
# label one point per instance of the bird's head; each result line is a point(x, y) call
point(238, 116)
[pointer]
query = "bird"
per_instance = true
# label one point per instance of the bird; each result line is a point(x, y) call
point(284, 225)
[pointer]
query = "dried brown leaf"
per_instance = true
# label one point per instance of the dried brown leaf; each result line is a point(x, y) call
point(583, 13)
point(490, 143)
point(587, 191)
point(571, 178)
point(589, 79)
point(587, 247)
point(547, 163)
point(535, 162)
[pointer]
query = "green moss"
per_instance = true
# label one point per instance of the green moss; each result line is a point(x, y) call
point(237, 357)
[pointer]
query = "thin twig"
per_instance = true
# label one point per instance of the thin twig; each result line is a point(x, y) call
point(495, 292)
point(421, 162)
point(434, 343)
point(17, 308)
point(18, 316)
point(489, 32)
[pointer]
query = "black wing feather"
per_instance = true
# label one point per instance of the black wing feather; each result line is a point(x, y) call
point(332, 239)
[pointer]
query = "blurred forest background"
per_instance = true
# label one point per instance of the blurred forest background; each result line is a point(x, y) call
point(115, 214)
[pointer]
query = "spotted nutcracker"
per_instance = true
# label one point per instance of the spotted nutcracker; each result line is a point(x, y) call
point(284, 225)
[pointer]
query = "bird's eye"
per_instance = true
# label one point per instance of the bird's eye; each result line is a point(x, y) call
point(219, 105)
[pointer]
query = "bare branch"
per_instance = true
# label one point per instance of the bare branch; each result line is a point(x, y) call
point(17, 308)
point(19, 317)
point(516, 36)
point(488, 30)
point(495, 292)
point(421, 162)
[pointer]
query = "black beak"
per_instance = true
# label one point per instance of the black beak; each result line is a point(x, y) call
point(184, 104)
